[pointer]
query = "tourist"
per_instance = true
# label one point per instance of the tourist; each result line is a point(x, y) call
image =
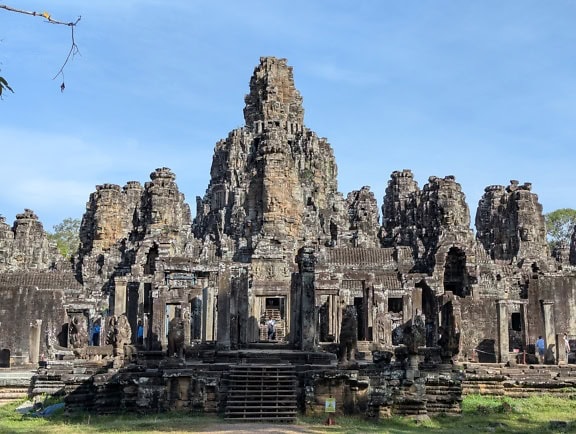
point(566, 346)
point(96, 333)
point(140, 333)
point(541, 348)
point(271, 329)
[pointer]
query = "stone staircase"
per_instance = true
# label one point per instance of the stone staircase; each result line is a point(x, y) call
point(14, 385)
point(262, 393)
point(443, 396)
point(519, 381)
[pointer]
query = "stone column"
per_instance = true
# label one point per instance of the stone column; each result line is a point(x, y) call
point(307, 323)
point(34, 341)
point(207, 314)
point(120, 288)
point(549, 331)
point(141, 295)
point(560, 350)
point(417, 301)
point(333, 315)
point(503, 332)
point(234, 310)
point(223, 307)
point(407, 311)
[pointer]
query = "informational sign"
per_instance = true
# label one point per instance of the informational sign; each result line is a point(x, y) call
point(330, 405)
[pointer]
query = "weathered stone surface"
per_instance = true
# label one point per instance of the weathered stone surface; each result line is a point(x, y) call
point(273, 182)
point(399, 210)
point(363, 218)
point(403, 298)
point(511, 225)
point(25, 246)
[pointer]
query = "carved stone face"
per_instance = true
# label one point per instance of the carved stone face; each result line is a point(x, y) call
point(448, 217)
point(526, 234)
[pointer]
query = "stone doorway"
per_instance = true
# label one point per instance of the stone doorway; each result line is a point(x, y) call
point(275, 308)
point(5, 358)
point(516, 329)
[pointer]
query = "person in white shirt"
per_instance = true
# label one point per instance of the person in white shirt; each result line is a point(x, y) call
point(271, 329)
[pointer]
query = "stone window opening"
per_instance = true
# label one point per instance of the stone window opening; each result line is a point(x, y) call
point(395, 305)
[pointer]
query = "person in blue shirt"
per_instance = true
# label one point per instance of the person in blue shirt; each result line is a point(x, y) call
point(540, 348)
point(96, 333)
point(140, 333)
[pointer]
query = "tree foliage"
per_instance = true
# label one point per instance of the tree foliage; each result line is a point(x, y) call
point(66, 235)
point(4, 86)
point(560, 226)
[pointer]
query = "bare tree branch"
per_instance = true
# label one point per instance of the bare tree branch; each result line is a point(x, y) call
point(73, 48)
point(44, 15)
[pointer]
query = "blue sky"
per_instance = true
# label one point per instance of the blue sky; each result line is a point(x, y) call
point(483, 90)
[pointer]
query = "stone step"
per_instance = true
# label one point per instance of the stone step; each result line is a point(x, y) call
point(262, 392)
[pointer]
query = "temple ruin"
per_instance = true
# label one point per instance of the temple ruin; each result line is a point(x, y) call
point(161, 310)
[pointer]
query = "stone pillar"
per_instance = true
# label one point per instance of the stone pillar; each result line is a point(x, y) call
point(549, 331)
point(417, 301)
point(333, 315)
point(141, 296)
point(187, 317)
point(34, 341)
point(407, 311)
point(307, 323)
point(208, 332)
point(503, 333)
point(120, 288)
point(223, 308)
point(561, 355)
point(234, 310)
point(244, 322)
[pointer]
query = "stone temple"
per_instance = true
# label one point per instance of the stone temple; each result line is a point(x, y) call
point(397, 310)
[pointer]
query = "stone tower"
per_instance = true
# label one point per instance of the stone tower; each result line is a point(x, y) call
point(273, 182)
point(26, 246)
point(510, 224)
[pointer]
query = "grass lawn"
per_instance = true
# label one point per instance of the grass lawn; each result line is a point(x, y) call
point(542, 414)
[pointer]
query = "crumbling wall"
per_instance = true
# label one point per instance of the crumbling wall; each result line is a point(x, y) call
point(22, 304)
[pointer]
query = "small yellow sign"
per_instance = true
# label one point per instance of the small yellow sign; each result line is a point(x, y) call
point(330, 405)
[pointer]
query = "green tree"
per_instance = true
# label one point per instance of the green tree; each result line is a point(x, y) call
point(560, 225)
point(66, 235)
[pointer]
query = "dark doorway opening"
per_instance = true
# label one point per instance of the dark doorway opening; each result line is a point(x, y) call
point(196, 318)
point(361, 315)
point(455, 274)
